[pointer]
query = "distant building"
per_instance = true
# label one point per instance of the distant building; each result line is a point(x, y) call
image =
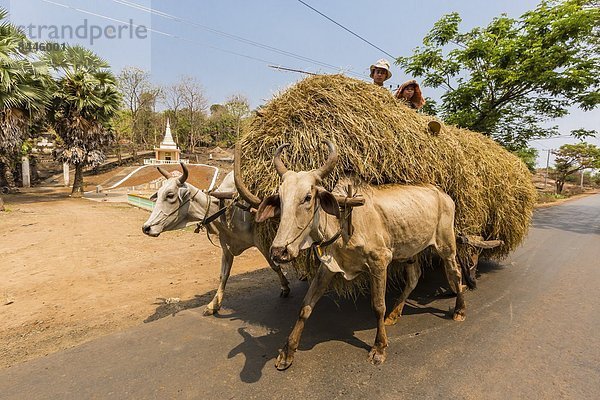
point(44, 144)
point(167, 152)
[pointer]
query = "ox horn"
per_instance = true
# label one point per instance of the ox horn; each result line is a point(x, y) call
point(331, 161)
point(185, 175)
point(279, 167)
point(245, 193)
point(164, 173)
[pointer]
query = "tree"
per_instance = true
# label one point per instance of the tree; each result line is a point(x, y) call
point(238, 107)
point(528, 156)
point(195, 104)
point(221, 126)
point(148, 119)
point(571, 158)
point(173, 99)
point(24, 94)
point(121, 124)
point(138, 93)
point(84, 104)
point(507, 78)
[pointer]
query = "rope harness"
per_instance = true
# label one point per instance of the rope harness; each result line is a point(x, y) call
point(208, 219)
point(317, 247)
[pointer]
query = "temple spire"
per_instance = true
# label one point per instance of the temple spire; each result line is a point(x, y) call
point(168, 142)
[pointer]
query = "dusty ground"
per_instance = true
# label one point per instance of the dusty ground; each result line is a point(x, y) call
point(74, 270)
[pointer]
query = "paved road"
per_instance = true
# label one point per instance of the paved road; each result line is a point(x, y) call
point(532, 332)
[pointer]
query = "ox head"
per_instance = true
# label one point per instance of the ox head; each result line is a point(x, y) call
point(168, 213)
point(299, 199)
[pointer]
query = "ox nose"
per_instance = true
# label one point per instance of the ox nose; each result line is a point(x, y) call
point(280, 255)
point(146, 229)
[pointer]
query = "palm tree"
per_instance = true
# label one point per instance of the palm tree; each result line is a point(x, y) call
point(84, 102)
point(24, 82)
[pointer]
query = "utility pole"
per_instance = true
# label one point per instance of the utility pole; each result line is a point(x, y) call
point(547, 164)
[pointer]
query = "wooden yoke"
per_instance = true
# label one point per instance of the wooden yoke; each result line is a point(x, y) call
point(474, 245)
point(223, 195)
point(347, 203)
point(349, 220)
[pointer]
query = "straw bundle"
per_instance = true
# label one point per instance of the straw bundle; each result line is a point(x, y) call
point(382, 141)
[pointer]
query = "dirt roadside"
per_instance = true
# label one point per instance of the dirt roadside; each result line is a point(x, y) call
point(74, 270)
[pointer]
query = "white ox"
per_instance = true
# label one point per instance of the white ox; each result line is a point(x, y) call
point(396, 223)
point(179, 203)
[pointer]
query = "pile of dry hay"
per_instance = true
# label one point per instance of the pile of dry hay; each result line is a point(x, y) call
point(383, 141)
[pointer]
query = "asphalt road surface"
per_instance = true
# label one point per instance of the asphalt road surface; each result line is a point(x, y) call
point(532, 332)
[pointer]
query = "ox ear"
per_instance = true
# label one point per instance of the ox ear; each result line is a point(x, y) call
point(154, 196)
point(328, 202)
point(268, 208)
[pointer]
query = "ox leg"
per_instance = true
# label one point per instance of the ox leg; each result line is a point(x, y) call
point(285, 285)
point(226, 263)
point(317, 289)
point(455, 280)
point(412, 273)
point(378, 354)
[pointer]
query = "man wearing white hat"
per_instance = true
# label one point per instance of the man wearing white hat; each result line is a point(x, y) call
point(380, 72)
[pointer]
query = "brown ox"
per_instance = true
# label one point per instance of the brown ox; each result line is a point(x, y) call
point(396, 222)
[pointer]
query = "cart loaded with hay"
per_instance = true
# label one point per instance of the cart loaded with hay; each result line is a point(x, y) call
point(382, 141)
point(421, 188)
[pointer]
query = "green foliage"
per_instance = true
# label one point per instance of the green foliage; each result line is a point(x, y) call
point(571, 158)
point(84, 104)
point(528, 156)
point(595, 179)
point(221, 126)
point(24, 88)
point(140, 98)
point(430, 107)
point(550, 197)
point(507, 78)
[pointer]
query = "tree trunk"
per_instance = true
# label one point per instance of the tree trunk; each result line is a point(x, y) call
point(119, 157)
point(559, 186)
point(78, 183)
point(1, 204)
point(134, 148)
point(8, 173)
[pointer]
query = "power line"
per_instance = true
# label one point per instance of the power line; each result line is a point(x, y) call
point(280, 68)
point(159, 32)
point(103, 16)
point(234, 37)
point(552, 137)
point(173, 36)
point(346, 29)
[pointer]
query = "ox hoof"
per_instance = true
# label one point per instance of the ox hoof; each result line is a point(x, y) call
point(209, 311)
point(389, 321)
point(285, 359)
point(377, 356)
point(285, 292)
point(459, 316)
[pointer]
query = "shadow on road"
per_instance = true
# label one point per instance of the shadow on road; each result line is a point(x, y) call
point(268, 319)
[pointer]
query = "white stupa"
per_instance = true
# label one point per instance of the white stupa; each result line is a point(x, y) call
point(168, 152)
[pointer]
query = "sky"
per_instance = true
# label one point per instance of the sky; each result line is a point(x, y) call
point(227, 45)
